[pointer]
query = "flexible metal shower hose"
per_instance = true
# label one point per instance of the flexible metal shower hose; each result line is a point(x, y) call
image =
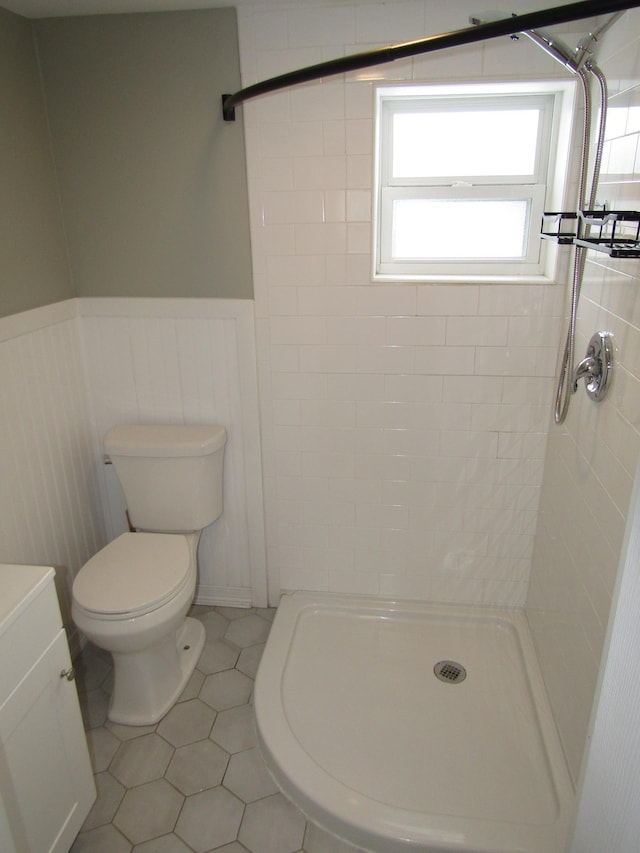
point(565, 387)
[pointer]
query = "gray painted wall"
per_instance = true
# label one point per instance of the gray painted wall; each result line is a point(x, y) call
point(33, 263)
point(152, 181)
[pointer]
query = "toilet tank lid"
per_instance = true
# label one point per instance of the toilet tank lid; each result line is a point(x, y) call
point(159, 440)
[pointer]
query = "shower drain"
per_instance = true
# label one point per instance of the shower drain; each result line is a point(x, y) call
point(450, 671)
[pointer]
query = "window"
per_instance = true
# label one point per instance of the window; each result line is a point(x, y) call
point(463, 175)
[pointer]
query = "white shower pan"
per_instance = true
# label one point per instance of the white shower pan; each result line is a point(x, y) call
point(362, 735)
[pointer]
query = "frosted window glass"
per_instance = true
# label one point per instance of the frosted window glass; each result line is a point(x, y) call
point(460, 229)
point(472, 143)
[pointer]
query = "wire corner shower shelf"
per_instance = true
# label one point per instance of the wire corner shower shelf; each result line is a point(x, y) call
point(613, 232)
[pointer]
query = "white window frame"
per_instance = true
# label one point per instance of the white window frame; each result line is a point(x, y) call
point(545, 189)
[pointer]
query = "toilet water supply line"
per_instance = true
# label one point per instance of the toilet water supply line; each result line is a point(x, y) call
point(567, 380)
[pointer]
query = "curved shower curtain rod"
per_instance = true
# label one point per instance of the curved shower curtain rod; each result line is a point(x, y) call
point(468, 35)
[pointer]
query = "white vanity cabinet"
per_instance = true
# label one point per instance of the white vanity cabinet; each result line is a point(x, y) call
point(46, 781)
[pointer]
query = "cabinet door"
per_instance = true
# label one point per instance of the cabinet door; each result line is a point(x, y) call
point(46, 779)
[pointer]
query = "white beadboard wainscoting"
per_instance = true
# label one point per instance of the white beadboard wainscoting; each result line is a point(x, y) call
point(71, 370)
point(49, 494)
point(186, 361)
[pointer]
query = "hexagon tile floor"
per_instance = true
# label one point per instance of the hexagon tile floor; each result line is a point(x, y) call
point(195, 782)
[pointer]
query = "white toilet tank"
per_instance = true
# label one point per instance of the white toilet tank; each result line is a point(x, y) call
point(171, 475)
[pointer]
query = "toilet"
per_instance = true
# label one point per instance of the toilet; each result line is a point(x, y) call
point(132, 597)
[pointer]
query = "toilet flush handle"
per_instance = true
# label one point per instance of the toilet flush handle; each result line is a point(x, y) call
point(69, 674)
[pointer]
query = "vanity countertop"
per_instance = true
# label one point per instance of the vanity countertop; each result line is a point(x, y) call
point(18, 586)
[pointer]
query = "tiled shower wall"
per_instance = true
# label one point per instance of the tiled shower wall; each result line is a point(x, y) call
point(403, 425)
point(591, 459)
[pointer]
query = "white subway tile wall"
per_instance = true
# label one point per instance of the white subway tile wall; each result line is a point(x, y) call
point(591, 460)
point(399, 428)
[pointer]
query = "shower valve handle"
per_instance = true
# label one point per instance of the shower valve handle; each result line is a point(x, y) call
point(588, 369)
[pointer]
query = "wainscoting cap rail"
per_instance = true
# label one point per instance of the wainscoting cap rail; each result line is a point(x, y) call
point(468, 35)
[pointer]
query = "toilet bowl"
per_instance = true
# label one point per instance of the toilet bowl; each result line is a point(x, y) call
point(131, 599)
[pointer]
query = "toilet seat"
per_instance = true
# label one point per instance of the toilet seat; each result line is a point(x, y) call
point(133, 575)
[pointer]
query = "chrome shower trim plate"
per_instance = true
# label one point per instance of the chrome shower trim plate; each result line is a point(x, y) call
point(597, 366)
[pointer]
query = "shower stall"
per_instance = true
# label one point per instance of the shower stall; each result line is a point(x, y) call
point(377, 735)
point(411, 452)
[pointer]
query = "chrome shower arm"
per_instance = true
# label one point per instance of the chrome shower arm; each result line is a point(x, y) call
point(573, 59)
point(554, 47)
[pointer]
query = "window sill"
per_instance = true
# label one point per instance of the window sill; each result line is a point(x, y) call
point(463, 279)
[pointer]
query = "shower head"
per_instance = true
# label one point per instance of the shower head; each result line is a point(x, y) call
point(555, 48)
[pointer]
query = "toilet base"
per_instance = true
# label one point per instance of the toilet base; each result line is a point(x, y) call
point(148, 683)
